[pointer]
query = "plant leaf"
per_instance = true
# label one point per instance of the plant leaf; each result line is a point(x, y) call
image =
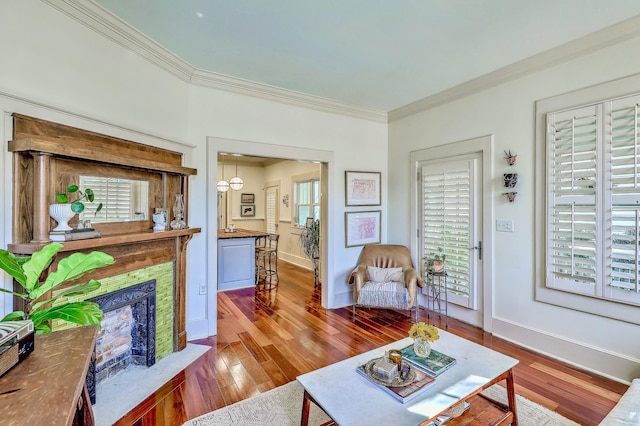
point(71, 268)
point(72, 188)
point(10, 263)
point(77, 207)
point(74, 290)
point(14, 316)
point(82, 313)
point(62, 198)
point(38, 262)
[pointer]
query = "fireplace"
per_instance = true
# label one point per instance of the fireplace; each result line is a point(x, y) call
point(128, 333)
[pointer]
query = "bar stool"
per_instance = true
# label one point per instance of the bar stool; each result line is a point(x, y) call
point(267, 262)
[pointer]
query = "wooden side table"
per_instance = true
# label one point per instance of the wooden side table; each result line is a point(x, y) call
point(48, 388)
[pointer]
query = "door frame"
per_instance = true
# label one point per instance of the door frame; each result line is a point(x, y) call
point(216, 145)
point(484, 146)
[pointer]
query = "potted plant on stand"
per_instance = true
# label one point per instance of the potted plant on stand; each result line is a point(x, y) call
point(27, 272)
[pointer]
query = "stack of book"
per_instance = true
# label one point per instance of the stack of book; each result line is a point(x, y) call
point(16, 343)
point(74, 234)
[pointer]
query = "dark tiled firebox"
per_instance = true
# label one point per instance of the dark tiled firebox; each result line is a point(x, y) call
point(142, 299)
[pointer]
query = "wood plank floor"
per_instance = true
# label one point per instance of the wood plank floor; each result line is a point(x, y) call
point(266, 339)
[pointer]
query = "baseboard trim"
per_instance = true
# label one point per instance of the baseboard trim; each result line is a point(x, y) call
point(605, 363)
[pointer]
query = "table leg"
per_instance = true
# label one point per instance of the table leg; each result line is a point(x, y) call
point(511, 397)
point(306, 406)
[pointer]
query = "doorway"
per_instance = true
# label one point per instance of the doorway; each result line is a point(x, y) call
point(324, 159)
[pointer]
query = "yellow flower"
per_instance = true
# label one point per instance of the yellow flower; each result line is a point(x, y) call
point(425, 331)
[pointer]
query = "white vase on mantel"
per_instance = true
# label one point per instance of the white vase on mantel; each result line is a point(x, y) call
point(62, 213)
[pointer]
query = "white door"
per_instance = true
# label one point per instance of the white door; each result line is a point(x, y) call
point(271, 205)
point(449, 220)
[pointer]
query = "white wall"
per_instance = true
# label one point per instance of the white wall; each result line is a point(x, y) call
point(507, 111)
point(56, 68)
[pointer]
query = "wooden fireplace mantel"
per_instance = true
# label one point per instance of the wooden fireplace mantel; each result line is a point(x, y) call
point(48, 156)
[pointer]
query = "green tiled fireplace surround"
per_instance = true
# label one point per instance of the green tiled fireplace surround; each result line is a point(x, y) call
point(163, 274)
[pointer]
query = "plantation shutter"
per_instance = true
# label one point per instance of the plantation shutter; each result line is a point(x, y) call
point(115, 195)
point(573, 191)
point(447, 215)
point(624, 226)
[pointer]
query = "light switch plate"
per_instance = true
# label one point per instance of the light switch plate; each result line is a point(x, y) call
point(203, 288)
point(504, 225)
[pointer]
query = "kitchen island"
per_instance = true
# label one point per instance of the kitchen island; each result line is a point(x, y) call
point(236, 258)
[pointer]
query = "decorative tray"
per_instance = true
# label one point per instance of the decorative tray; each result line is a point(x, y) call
point(397, 381)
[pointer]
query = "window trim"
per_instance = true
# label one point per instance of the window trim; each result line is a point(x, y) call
point(594, 94)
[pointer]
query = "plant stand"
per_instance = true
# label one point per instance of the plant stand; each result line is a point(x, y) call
point(437, 303)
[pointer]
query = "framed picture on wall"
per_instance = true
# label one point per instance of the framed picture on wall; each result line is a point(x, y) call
point(362, 228)
point(247, 210)
point(362, 188)
point(247, 198)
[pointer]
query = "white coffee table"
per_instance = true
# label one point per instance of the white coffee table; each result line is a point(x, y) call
point(350, 399)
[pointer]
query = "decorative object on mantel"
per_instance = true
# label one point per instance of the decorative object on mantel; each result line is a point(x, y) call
point(63, 211)
point(511, 158)
point(27, 272)
point(423, 334)
point(178, 211)
point(160, 220)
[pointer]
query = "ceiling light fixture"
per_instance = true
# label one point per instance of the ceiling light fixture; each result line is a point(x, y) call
point(223, 185)
point(236, 182)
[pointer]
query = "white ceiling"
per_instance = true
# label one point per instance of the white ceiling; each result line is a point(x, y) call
point(375, 54)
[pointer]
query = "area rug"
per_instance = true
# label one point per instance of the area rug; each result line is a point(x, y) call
point(282, 406)
point(118, 395)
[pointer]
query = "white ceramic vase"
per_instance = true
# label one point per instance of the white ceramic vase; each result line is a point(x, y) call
point(62, 213)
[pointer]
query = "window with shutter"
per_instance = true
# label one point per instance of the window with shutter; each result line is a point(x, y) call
point(117, 197)
point(593, 200)
point(306, 200)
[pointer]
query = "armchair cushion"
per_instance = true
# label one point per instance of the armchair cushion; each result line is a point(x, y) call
point(385, 275)
point(391, 294)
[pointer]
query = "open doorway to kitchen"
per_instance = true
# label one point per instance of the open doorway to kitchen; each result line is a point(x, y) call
point(271, 195)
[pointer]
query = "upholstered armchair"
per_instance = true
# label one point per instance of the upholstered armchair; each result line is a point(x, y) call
point(385, 278)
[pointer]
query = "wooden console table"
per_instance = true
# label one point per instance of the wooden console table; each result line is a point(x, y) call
point(48, 388)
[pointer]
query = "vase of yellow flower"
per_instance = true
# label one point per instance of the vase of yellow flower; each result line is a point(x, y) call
point(423, 334)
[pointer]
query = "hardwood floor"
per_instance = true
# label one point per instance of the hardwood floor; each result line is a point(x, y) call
point(266, 339)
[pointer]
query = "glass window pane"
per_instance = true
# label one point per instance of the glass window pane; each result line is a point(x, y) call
point(303, 214)
point(316, 192)
point(304, 193)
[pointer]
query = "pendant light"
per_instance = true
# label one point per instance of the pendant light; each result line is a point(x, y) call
point(223, 185)
point(236, 182)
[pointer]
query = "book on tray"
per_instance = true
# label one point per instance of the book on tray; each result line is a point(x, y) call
point(404, 387)
point(435, 364)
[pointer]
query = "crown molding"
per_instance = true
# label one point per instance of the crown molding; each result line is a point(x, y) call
point(103, 22)
point(611, 35)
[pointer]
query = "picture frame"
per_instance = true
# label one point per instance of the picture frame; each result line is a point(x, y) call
point(166, 213)
point(247, 210)
point(363, 188)
point(247, 198)
point(362, 228)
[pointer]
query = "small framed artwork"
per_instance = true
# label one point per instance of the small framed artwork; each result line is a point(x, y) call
point(362, 228)
point(166, 214)
point(247, 210)
point(247, 198)
point(362, 188)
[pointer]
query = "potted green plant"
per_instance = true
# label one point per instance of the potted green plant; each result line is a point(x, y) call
point(27, 272)
point(434, 262)
point(62, 212)
point(310, 242)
